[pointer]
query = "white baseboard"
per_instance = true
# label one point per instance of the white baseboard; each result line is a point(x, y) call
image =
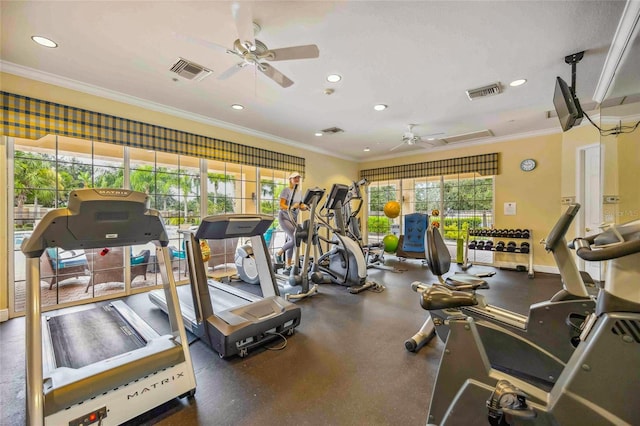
point(4, 315)
point(536, 268)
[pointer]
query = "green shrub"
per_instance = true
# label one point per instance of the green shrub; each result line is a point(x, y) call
point(378, 225)
point(175, 221)
point(453, 231)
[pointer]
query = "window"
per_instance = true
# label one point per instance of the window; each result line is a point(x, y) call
point(47, 170)
point(463, 201)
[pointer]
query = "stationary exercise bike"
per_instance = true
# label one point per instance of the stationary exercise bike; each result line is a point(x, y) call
point(538, 345)
point(344, 263)
point(599, 383)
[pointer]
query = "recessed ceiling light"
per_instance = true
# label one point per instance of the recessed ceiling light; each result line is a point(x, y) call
point(334, 78)
point(237, 106)
point(380, 107)
point(318, 133)
point(516, 83)
point(431, 139)
point(367, 149)
point(43, 41)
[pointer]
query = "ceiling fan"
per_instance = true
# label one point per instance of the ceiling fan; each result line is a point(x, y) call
point(252, 51)
point(409, 138)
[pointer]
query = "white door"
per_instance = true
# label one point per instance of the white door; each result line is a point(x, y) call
point(590, 193)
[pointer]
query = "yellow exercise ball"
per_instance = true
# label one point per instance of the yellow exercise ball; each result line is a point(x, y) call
point(391, 209)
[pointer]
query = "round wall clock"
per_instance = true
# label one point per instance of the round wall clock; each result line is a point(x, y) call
point(528, 165)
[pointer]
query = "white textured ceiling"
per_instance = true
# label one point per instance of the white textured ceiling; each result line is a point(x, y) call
point(418, 57)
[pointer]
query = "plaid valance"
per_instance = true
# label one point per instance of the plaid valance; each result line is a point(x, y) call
point(30, 118)
point(484, 164)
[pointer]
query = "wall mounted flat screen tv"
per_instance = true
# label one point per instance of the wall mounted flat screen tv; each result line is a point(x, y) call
point(567, 105)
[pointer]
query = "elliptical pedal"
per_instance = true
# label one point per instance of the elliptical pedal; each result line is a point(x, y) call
point(369, 285)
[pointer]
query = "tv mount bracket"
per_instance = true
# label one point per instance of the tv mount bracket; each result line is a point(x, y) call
point(573, 60)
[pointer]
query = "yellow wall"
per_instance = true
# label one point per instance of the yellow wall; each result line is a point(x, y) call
point(629, 176)
point(536, 193)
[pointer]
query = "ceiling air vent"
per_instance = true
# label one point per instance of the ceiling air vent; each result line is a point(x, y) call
point(332, 130)
point(190, 70)
point(466, 137)
point(483, 92)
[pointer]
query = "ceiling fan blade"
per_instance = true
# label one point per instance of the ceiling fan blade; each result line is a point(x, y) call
point(295, 52)
point(397, 146)
point(275, 75)
point(243, 18)
point(430, 140)
point(231, 71)
point(199, 41)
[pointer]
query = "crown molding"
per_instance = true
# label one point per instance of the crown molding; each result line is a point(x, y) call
point(621, 41)
point(90, 89)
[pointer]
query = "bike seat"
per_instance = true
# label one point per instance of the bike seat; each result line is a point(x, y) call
point(440, 297)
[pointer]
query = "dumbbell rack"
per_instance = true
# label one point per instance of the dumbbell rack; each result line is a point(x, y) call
point(507, 236)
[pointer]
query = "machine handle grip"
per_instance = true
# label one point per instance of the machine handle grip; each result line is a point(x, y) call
point(560, 229)
point(622, 249)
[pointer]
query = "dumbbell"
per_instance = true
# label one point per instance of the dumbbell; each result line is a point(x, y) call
point(525, 233)
point(488, 245)
point(510, 233)
point(472, 245)
point(500, 246)
point(480, 245)
point(517, 233)
point(511, 246)
point(524, 247)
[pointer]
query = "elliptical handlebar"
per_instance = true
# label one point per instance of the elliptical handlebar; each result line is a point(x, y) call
point(559, 231)
point(625, 248)
point(290, 202)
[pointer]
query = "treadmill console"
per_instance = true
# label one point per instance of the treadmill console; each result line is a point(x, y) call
point(98, 218)
point(219, 227)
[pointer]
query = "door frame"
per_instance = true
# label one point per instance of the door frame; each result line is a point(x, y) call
point(593, 268)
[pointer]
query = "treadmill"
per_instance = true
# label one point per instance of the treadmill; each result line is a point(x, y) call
point(101, 364)
point(229, 320)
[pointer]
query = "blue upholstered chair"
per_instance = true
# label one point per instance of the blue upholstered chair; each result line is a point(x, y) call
point(411, 243)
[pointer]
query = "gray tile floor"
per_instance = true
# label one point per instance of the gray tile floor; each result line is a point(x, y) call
point(346, 364)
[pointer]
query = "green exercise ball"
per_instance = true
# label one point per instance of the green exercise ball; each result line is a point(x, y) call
point(390, 243)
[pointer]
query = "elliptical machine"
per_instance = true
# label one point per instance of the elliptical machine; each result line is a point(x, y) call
point(373, 253)
point(598, 384)
point(297, 284)
point(344, 263)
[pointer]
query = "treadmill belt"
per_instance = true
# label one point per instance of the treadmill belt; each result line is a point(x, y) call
point(85, 337)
